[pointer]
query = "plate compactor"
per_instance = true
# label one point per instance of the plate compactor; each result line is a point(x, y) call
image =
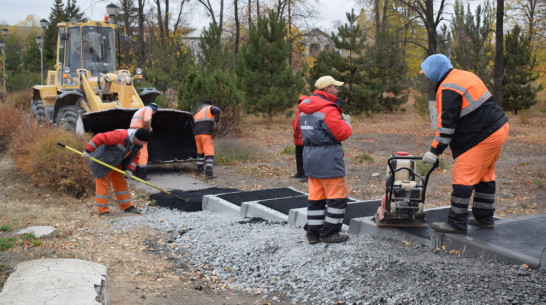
point(402, 204)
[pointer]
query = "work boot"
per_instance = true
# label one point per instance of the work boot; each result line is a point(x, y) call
point(444, 227)
point(143, 174)
point(335, 238)
point(105, 214)
point(474, 222)
point(132, 209)
point(312, 239)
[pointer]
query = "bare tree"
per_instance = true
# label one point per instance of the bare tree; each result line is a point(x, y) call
point(499, 53)
point(207, 5)
point(237, 27)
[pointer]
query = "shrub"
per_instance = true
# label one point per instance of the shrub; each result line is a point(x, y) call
point(36, 153)
point(19, 99)
point(9, 116)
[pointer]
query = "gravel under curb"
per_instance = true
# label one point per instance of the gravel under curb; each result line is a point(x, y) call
point(274, 260)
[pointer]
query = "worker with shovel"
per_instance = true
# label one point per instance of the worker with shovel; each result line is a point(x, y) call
point(121, 149)
point(475, 128)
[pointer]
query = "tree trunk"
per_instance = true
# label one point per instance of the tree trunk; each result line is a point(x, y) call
point(221, 16)
point(249, 13)
point(141, 41)
point(499, 53)
point(237, 28)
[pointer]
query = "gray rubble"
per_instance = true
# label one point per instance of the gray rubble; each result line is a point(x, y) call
point(274, 260)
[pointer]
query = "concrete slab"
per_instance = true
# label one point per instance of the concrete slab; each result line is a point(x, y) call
point(39, 231)
point(231, 202)
point(57, 282)
point(194, 198)
point(273, 209)
point(516, 241)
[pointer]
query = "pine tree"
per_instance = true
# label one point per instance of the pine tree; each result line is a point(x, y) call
point(265, 77)
point(50, 35)
point(351, 66)
point(518, 91)
point(213, 79)
point(472, 48)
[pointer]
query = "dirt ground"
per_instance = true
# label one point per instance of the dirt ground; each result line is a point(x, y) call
point(141, 268)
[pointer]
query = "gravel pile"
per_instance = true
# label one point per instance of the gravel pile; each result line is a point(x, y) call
point(275, 261)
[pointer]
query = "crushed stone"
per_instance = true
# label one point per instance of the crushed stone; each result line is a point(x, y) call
point(275, 261)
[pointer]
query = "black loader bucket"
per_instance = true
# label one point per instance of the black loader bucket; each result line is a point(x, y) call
point(172, 132)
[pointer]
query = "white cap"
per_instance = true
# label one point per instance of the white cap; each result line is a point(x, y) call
point(326, 81)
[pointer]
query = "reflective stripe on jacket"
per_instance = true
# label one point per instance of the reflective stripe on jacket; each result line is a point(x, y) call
point(114, 148)
point(204, 119)
point(142, 118)
point(322, 130)
point(467, 113)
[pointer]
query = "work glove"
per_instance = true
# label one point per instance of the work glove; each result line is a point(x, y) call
point(128, 173)
point(86, 155)
point(346, 118)
point(430, 157)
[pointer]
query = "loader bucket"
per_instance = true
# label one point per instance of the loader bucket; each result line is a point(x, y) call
point(172, 132)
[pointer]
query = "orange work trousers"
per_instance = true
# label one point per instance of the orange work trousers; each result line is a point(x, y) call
point(478, 163)
point(143, 158)
point(329, 188)
point(121, 190)
point(204, 144)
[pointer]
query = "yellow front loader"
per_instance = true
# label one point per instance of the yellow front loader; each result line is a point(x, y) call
point(87, 93)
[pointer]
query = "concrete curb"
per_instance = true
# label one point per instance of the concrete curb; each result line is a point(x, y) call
point(57, 282)
point(478, 248)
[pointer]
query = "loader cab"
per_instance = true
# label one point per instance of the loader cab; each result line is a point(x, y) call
point(89, 46)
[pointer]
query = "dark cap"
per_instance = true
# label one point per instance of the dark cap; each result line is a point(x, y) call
point(143, 134)
point(208, 102)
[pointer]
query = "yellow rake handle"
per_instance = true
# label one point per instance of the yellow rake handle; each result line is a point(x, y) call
point(122, 172)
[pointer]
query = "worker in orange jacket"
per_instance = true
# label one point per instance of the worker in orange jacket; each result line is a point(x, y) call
point(204, 119)
point(119, 148)
point(142, 118)
point(475, 128)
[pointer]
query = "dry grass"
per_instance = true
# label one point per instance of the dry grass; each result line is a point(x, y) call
point(9, 115)
point(36, 153)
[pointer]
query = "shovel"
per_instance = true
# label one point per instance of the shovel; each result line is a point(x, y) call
point(122, 172)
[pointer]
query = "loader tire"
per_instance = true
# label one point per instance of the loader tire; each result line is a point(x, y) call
point(68, 117)
point(37, 112)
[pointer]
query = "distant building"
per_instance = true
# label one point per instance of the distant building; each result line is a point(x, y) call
point(317, 41)
point(192, 40)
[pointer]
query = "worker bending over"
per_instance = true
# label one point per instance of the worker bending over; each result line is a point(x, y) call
point(119, 148)
point(475, 128)
point(204, 118)
point(142, 118)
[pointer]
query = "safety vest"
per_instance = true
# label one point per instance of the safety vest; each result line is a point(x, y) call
point(456, 127)
point(204, 115)
point(142, 118)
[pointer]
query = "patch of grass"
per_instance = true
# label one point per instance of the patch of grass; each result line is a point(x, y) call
point(227, 152)
point(363, 158)
point(5, 228)
point(7, 243)
point(4, 268)
point(289, 150)
point(24, 239)
point(538, 182)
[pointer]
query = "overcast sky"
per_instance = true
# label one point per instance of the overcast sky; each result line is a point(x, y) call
point(15, 11)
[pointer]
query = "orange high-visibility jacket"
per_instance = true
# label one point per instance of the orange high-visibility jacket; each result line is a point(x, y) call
point(467, 113)
point(204, 119)
point(142, 118)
